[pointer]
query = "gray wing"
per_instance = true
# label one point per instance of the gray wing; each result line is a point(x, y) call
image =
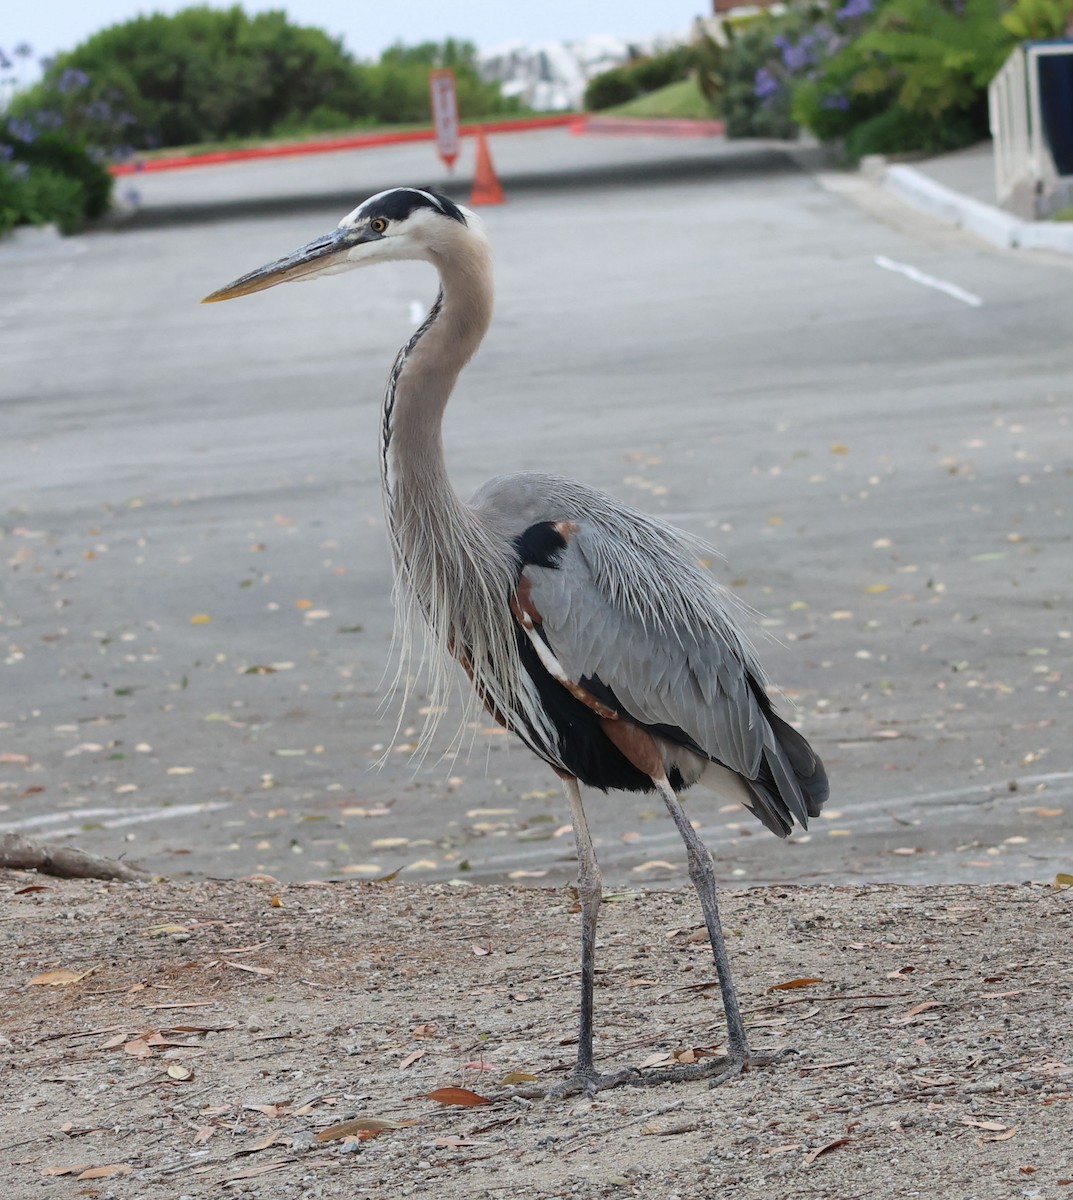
point(629, 609)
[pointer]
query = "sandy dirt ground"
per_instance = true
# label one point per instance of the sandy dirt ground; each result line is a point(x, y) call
point(207, 1033)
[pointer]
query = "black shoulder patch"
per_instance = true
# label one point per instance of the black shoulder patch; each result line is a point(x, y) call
point(399, 203)
point(540, 545)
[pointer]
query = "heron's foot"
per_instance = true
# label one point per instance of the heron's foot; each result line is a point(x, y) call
point(721, 1068)
point(588, 1081)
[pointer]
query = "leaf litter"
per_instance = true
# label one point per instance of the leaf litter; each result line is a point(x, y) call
point(971, 1045)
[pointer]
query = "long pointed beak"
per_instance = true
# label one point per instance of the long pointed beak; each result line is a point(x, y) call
point(311, 259)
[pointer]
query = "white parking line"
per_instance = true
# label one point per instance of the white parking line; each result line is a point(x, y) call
point(940, 285)
point(108, 818)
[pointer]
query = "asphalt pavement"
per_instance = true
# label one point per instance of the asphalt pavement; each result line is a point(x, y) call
point(869, 415)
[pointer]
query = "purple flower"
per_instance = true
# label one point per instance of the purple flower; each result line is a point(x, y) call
point(99, 110)
point(23, 130)
point(797, 58)
point(132, 196)
point(6, 153)
point(23, 50)
point(20, 170)
point(853, 9)
point(47, 118)
point(836, 101)
point(47, 63)
point(5, 62)
point(71, 80)
point(765, 85)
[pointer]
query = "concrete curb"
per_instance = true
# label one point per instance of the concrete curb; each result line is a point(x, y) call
point(648, 126)
point(963, 212)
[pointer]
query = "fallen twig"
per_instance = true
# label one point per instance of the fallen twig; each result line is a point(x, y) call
point(20, 854)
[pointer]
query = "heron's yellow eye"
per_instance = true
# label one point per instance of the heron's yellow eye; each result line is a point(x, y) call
point(378, 224)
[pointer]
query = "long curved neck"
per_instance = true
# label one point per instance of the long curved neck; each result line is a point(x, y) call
point(422, 379)
point(453, 570)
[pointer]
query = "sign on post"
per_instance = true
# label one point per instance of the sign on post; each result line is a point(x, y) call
point(444, 102)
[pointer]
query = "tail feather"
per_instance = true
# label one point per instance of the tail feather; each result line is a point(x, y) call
point(791, 784)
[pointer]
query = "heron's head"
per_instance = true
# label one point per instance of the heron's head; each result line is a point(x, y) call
point(403, 223)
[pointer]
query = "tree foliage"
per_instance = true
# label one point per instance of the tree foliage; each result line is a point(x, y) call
point(209, 74)
point(884, 76)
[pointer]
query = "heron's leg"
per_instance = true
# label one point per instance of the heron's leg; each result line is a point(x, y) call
point(590, 893)
point(702, 873)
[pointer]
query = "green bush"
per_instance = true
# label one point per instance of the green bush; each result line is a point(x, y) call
point(48, 177)
point(893, 76)
point(202, 74)
point(896, 131)
point(756, 102)
point(61, 156)
point(209, 75)
point(639, 77)
point(610, 88)
point(399, 82)
point(39, 197)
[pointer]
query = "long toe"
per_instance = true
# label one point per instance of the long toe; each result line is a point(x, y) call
point(588, 1083)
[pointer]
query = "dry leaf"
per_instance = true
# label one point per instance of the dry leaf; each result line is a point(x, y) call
point(456, 1095)
point(53, 1171)
point(200, 619)
point(1063, 880)
point(653, 1060)
point(252, 970)
point(60, 978)
point(454, 1143)
point(175, 1071)
point(915, 1011)
point(31, 887)
point(410, 1059)
point(367, 1125)
point(106, 1172)
point(263, 1144)
point(793, 983)
point(998, 1126)
point(1001, 1137)
point(513, 1077)
point(815, 1154)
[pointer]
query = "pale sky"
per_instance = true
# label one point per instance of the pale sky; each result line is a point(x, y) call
point(370, 26)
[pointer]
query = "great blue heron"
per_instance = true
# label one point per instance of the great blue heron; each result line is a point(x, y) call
point(586, 627)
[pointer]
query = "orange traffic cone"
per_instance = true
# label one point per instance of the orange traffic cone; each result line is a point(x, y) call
point(486, 186)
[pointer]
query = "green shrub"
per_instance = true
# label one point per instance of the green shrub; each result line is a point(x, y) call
point(213, 75)
point(639, 77)
point(39, 197)
point(756, 100)
point(609, 88)
point(902, 75)
point(896, 131)
point(48, 177)
point(61, 156)
point(202, 74)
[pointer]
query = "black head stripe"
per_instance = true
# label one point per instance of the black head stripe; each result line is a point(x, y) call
point(400, 203)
